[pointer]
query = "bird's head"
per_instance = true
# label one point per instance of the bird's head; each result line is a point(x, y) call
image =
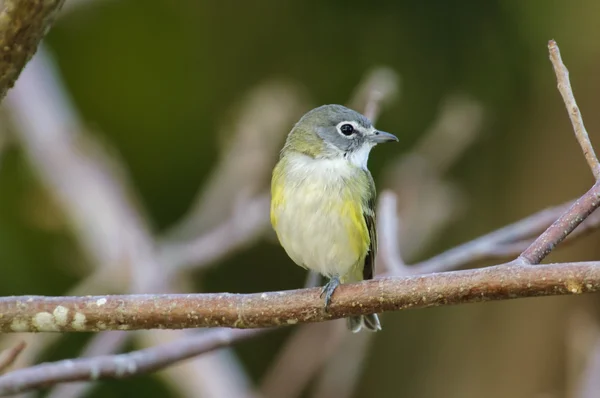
point(334, 131)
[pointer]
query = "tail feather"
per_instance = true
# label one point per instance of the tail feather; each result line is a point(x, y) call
point(368, 322)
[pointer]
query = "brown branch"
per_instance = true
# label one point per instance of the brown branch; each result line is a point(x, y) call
point(23, 24)
point(258, 310)
point(122, 365)
point(564, 86)
point(562, 227)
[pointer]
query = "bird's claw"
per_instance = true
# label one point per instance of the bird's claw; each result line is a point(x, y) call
point(328, 290)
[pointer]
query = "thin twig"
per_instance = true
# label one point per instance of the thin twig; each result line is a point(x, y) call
point(508, 241)
point(179, 311)
point(564, 86)
point(102, 345)
point(562, 227)
point(8, 356)
point(483, 247)
point(388, 223)
point(122, 365)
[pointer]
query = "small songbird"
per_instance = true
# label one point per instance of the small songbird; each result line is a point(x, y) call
point(323, 199)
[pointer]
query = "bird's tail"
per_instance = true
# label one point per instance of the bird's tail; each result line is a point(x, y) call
point(357, 323)
point(368, 322)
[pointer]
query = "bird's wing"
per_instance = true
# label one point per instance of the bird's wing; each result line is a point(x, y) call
point(369, 216)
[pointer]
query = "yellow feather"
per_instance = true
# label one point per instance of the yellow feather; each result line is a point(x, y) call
point(277, 197)
point(351, 210)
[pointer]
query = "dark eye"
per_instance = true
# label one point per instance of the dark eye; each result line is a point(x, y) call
point(347, 129)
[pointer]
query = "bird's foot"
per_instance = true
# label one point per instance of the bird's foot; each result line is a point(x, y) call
point(328, 290)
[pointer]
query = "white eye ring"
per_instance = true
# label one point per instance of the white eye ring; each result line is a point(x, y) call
point(347, 129)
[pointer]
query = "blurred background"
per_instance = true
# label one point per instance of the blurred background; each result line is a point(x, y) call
point(135, 156)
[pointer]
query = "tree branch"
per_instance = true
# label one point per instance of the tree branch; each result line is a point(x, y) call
point(122, 365)
point(505, 242)
point(564, 87)
point(23, 24)
point(259, 310)
point(562, 227)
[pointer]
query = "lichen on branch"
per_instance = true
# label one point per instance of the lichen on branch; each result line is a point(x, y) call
point(260, 310)
point(23, 24)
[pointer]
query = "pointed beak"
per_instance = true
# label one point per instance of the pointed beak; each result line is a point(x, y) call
point(379, 137)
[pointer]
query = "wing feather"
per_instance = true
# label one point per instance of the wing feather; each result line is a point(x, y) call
point(370, 221)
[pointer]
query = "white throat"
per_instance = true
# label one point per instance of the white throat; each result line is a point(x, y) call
point(360, 157)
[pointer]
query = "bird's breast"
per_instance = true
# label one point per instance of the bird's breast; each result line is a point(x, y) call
point(316, 210)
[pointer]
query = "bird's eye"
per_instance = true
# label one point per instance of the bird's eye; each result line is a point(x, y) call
point(347, 129)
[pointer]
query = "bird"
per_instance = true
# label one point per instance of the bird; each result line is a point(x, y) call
point(323, 199)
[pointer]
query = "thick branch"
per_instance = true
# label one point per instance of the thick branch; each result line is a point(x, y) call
point(258, 310)
point(23, 24)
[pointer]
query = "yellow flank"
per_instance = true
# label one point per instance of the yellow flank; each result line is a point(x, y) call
point(351, 210)
point(277, 197)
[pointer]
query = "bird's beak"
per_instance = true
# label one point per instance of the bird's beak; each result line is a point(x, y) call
point(379, 137)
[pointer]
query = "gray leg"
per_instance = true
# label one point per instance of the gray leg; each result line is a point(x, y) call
point(329, 288)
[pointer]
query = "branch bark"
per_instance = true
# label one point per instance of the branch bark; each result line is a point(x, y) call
point(260, 310)
point(119, 366)
point(23, 24)
point(562, 227)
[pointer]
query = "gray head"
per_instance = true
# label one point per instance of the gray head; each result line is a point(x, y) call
point(332, 131)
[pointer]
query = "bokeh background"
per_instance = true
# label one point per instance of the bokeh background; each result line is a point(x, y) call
point(165, 119)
